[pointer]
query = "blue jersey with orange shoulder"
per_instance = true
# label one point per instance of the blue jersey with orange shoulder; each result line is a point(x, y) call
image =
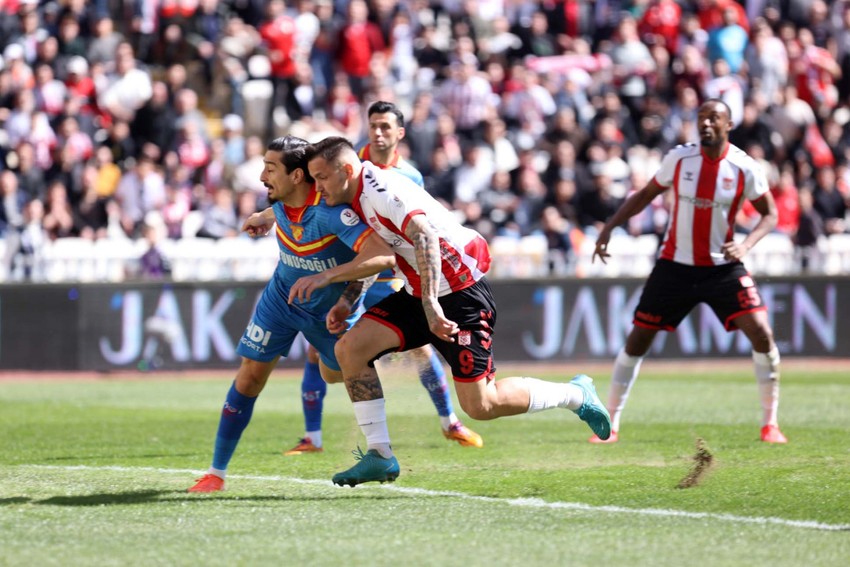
point(387, 282)
point(311, 239)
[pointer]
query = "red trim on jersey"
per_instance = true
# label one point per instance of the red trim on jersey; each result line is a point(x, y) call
point(408, 218)
point(669, 250)
point(701, 230)
point(295, 214)
point(410, 275)
point(361, 239)
point(479, 250)
point(729, 322)
point(488, 374)
point(389, 326)
point(355, 204)
point(306, 248)
point(733, 209)
point(391, 226)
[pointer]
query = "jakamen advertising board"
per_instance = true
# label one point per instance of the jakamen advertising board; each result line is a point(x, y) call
point(171, 327)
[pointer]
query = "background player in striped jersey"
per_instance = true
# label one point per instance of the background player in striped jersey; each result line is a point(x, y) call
point(386, 130)
point(313, 238)
point(446, 302)
point(699, 261)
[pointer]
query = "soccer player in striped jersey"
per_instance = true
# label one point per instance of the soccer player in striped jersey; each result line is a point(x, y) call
point(314, 239)
point(699, 261)
point(446, 302)
point(386, 130)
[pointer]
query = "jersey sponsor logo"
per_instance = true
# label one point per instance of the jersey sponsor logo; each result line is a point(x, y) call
point(450, 255)
point(349, 217)
point(311, 265)
point(689, 176)
point(648, 317)
point(257, 334)
point(700, 202)
point(297, 231)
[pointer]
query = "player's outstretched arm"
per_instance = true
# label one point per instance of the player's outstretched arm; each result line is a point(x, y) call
point(632, 206)
point(429, 262)
point(259, 224)
point(374, 257)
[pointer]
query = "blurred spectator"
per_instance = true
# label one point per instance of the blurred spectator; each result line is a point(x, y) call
point(104, 45)
point(58, 214)
point(220, 216)
point(728, 41)
point(31, 242)
point(829, 203)
point(556, 230)
point(127, 89)
point(156, 121)
point(466, 97)
point(767, 60)
point(811, 228)
point(234, 149)
point(753, 128)
point(246, 175)
point(359, 39)
point(90, 217)
point(141, 190)
point(153, 265)
point(11, 213)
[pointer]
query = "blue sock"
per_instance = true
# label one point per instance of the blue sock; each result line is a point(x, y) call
point(313, 390)
point(234, 419)
point(433, 377)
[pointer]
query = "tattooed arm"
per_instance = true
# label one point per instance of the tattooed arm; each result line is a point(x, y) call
point(336, 317)
point(429, 262)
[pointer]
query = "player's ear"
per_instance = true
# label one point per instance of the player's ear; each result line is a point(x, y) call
point(349, 171)
point(401, 133)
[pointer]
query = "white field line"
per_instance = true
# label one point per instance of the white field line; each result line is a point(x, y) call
point(521, 502)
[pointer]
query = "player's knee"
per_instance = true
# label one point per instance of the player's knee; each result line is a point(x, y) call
point(331, 376)
point(344, 351)
point(312, 355)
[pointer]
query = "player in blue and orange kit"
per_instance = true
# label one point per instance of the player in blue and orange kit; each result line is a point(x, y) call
point(386, 129)
point(314, 238)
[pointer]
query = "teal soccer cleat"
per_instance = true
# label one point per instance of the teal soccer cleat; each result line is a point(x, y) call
point(592, 411)
point(372, 467)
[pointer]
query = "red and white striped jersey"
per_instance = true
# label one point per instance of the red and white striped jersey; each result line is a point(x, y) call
point(708, 193)
point(387, 201)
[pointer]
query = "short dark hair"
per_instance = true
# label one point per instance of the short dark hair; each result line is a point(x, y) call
point(293, 154)
point(383, 107)
point(328, 149)
point(722, 102)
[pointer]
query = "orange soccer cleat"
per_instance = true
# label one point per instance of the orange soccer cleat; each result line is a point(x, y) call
point(463, 435)
point(305, 445)
point(208, 483)
point(771, 434)
point(613, 439)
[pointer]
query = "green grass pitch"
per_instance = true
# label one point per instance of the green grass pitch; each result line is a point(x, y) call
point(95, 471)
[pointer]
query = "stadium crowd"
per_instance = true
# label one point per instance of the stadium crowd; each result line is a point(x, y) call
point(121, 119)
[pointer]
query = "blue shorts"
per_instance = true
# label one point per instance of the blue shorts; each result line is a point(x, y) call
point(275, 324)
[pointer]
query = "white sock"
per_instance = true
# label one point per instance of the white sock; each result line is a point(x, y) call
point(625, 373)
point(217, 472)
point(544, 395)
point(767, 376)
point(315, 437)
point(371, 416)
point(448, 420)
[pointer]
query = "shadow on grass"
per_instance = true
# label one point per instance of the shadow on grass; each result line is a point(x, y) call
point(149, 496)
